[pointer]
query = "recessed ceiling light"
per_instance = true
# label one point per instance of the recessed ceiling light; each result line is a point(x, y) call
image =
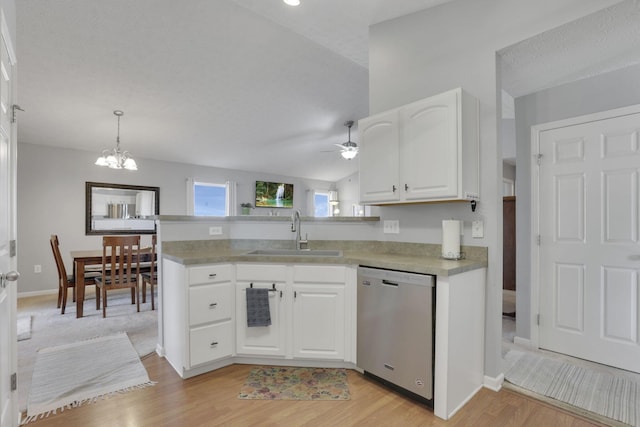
point(292, 2)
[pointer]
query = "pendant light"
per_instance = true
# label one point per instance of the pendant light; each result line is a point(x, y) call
point(116, 158)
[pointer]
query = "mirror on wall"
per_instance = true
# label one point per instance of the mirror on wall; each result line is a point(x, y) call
point(121, 209)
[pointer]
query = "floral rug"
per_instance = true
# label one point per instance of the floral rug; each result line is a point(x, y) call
point(287, 383)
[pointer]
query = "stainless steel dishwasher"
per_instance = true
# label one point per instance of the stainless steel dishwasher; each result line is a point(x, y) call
point(396, 329)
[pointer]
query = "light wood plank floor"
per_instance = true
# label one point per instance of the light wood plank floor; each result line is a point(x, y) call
point(211, 400)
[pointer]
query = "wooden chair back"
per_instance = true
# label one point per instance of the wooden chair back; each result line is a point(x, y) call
point(120, 261)
point(150, 275)
point(120, 268)
point(55, 247)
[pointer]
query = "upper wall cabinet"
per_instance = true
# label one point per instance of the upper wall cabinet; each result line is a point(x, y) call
point(426, 151)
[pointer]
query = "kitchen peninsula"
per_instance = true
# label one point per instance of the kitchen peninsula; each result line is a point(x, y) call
point(312, 300)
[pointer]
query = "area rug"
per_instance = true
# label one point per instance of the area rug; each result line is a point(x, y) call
point(24, 327)
point(287, 383)
point(614, 397)
point(49, 328)
point(72, 374)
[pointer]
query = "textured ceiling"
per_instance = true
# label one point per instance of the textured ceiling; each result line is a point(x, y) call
point(598, 43)
point(248, 85)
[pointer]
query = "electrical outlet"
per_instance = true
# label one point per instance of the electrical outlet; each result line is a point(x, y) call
point(215, 231)
point(37, 268)
point(477, 229)
point(391, 227)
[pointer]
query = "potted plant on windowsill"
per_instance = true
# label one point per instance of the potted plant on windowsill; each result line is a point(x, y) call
point(246, 208)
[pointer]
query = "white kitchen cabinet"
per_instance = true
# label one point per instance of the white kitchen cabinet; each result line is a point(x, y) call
point(198, 316)
point(307, 305)
point(319, 312)
point(379, 158)
point(426, 151)
point(262, 340)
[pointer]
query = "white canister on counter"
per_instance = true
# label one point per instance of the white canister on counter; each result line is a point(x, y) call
point(451, 239)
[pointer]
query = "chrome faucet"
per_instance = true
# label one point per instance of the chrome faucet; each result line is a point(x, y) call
point(301, 245)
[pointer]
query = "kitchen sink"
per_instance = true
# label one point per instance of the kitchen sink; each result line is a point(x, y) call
point(293, 252)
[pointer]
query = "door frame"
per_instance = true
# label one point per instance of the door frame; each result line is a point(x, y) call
point(535, 201)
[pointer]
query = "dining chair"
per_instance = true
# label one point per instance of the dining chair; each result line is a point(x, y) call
point(66, 281)
point(150, 276)
point(120, 268)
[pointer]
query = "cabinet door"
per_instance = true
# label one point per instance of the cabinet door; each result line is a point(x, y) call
point(429, 148)
point(260, 340)
point(378, 140)
point(318, 321)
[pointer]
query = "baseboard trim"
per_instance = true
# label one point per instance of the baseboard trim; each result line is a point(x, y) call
point(524, 342)
point(37, 293)
point(494, 383)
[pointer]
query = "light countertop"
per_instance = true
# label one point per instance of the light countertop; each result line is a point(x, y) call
point(425, 262)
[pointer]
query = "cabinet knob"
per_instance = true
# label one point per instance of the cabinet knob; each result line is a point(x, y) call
point(213, 344)
point(213, 305)
point(406, 187)
point(394, 188)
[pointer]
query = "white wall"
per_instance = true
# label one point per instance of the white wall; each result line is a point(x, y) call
point(616, 89)
point(455, 45)
point(51, 200)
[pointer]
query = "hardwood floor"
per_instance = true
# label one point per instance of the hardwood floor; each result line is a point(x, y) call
point(211, 400)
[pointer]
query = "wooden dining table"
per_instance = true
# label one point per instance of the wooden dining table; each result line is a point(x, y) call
point(91, 257)
point(82, 259)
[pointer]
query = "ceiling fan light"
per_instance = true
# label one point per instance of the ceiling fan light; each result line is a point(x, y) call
point(349, 149)
point(349, 154)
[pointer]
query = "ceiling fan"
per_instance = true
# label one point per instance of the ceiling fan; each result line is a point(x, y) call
point(349, 150)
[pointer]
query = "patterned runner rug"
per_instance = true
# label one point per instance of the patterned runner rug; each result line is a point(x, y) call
point(287, 383)
point(602, 393)
point(72, 374)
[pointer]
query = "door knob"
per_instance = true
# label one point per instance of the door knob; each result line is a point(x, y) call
point(11, 276)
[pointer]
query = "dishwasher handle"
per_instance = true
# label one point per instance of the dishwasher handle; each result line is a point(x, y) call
point(390, 283)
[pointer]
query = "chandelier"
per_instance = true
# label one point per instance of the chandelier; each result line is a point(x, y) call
point(116, 158)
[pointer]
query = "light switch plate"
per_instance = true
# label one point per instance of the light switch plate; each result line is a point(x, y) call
point(477, 229)
point(215, 231)
point(391, 226)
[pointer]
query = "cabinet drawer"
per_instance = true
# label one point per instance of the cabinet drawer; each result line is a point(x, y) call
point(210, 274)
point(261, 272)
point(318, 274)
point(210, 303)
point(208, 343)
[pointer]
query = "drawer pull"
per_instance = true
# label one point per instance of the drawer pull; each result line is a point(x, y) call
point(213, 305)
point(390, 367)
point(213, 344)
point(212, 275)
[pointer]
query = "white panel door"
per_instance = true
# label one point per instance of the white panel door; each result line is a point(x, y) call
point(8, 343)
point(589, 242)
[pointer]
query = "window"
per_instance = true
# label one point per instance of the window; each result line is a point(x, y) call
point(209, 199)
point(321, 205)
